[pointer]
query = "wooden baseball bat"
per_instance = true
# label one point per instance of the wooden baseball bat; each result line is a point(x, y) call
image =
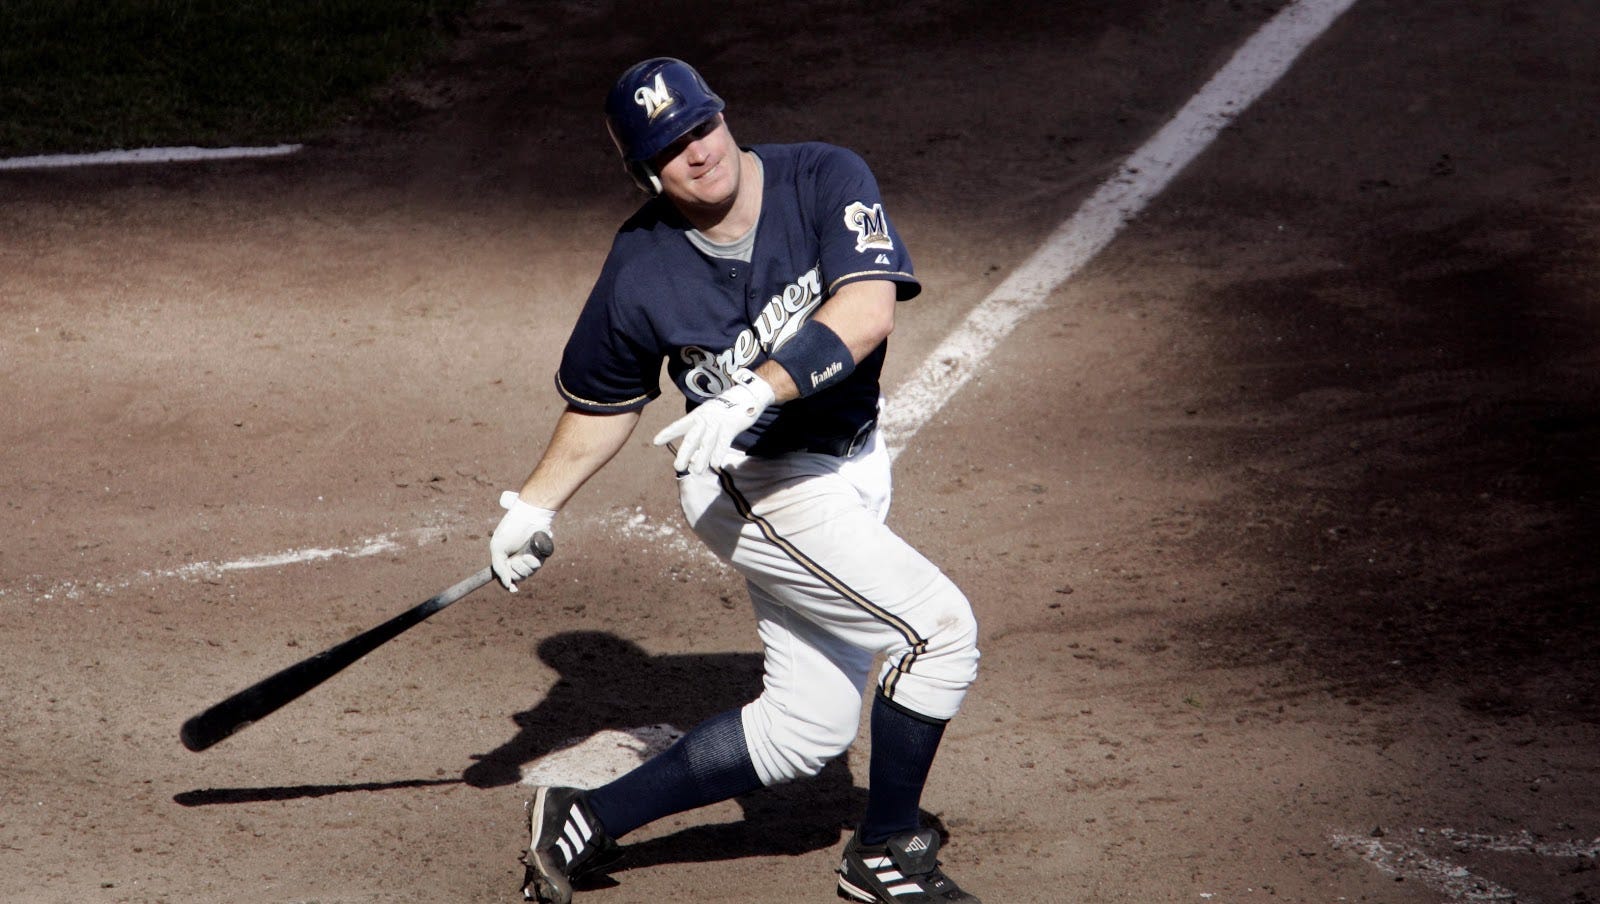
point(271, 694)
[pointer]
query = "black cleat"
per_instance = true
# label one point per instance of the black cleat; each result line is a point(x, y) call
point(902, 870)
point(566, 842)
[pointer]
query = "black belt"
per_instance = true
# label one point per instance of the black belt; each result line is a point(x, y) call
point(844, 446)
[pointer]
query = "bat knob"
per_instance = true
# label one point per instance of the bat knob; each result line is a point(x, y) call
point(542, 545)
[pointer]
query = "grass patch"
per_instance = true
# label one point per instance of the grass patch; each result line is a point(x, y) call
point(87, 75)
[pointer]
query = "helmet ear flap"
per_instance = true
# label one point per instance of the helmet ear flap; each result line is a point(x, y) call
point(645, 178)
point(653, 104)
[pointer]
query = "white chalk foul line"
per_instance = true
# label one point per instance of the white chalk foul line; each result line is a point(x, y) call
point(369, 547)
point(632, 524)
point(1522, 842)
point(1399, 859)
point(145, 155)
point(1254, 68)
point(199, 571)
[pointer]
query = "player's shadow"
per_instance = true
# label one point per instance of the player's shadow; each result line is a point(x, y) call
point(607, 682)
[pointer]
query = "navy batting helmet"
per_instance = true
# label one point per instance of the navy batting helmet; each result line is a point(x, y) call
point(653, 104)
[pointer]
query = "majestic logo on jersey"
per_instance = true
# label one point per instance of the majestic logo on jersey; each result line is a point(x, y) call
point(655, 99)
point(782, 317)
point(871, 226)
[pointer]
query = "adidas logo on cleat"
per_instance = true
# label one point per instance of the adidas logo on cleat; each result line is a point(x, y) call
point(566, 843)
point(902, 870)
point(575, 835)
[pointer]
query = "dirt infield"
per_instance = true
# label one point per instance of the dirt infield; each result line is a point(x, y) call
point(1280, 521)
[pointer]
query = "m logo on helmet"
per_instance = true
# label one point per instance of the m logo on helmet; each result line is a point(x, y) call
point(655, 99)
point(871, 226)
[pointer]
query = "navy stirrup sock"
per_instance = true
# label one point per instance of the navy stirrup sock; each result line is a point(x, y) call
point(903, 745)
point(709, 764)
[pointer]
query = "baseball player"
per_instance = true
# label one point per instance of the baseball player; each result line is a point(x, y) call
point(766, 277)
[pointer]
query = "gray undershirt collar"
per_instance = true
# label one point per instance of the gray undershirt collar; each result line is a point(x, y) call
point(737, 250)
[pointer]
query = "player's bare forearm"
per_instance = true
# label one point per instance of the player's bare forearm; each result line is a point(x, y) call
point(861, 313)
point(580, 446)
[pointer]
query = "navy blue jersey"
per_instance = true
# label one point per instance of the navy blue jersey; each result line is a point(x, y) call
point(822, 225)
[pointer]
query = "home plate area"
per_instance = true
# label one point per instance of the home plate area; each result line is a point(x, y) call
point(591, 762)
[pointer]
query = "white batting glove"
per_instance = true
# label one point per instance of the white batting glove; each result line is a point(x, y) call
point(510, 551)
point(708, 432)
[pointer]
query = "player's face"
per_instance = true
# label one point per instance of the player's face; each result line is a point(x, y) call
point(701, 168)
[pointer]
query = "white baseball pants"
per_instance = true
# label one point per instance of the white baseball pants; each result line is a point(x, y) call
point(833, 587)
